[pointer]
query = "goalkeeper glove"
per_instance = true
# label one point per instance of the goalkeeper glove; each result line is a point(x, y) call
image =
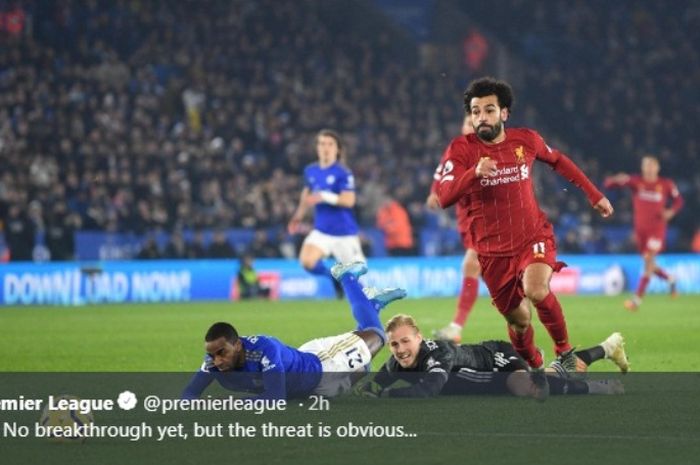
point(369, 389)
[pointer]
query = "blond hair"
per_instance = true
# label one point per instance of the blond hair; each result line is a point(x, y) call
point(401, 320)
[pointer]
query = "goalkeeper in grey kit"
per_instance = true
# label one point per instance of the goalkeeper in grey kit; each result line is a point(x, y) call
point(493, 367)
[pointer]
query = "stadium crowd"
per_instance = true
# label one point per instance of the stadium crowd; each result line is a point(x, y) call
point(139, 117)
point(615, 81)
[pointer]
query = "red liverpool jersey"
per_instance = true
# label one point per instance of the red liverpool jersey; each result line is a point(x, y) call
point(503, 208)
point(650, 200)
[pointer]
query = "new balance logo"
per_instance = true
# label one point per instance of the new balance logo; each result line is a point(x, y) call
point(538, 249)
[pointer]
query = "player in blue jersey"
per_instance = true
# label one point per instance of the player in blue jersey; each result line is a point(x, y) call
point(322, 366)
point(329, 187)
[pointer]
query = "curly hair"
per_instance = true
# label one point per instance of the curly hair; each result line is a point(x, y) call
point(485, 86)
point(222, 329)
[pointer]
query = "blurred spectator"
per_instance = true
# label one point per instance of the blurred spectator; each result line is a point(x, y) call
point(571, 244)
point(12, 20)
point(249, 285)
point(261, 247)
point(286, 244)
point(149, 250)
point(476, 50)
point(196, 248)
point(220, 246)
point(60, 232)
point(176, 248)
point(695, 246)
point(19, 234)
point(392, 219)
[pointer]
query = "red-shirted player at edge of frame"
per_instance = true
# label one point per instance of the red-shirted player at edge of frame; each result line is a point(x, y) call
point(470, 263)
point(514, 240)
point(651, 215)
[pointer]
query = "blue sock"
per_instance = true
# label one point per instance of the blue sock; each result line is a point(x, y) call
point(320, 269)
point(378, 306)
point(363, 310)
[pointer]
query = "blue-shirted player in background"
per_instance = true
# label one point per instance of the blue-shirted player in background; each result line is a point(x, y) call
point(329, 187)
point(322, 366)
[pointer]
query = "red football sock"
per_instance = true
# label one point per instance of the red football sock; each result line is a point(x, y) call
point(642, 287)
point(524, 344)
point(467, 297)
point(552, 318)
point(661, 274)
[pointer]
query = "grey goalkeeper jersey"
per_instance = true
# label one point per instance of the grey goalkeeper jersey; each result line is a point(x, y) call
point(475, 363)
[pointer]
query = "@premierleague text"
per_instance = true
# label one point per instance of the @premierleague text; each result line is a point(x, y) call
point(151, 403)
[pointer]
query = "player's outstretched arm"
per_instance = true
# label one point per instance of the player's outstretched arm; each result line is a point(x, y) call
point(429, 385)
point(374, 386)
point(616, 181)
point(198, 383)
point(298, 217)
point(566, 168)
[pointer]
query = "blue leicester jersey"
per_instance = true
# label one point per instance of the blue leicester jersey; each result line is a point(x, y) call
point(332, 219)
point(271, 368)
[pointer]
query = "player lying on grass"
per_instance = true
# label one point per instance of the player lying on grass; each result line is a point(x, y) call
point(322, 366)
point(492, 367)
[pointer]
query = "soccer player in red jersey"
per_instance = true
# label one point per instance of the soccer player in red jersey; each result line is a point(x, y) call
point(470, 264)
point(490, 171)
point(651, 215)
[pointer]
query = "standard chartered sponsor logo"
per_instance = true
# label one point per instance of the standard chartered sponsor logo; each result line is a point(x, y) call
point(651, 196)
point(507, 175)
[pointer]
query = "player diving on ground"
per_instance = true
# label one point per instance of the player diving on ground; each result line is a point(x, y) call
point(323, 366)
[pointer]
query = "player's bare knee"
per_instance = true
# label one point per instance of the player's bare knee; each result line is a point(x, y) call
point(471, 270)
point(307, 263)
point(470, 265)
point(518, 326)
point(536, 292)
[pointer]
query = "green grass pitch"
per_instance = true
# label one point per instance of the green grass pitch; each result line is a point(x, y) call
point(664, 335)
point(655, 422)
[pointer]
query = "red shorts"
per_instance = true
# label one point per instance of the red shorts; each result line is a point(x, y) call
point(650, 241)
point(504, 275)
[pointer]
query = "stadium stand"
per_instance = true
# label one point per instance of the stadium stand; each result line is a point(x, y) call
point(161, 117)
